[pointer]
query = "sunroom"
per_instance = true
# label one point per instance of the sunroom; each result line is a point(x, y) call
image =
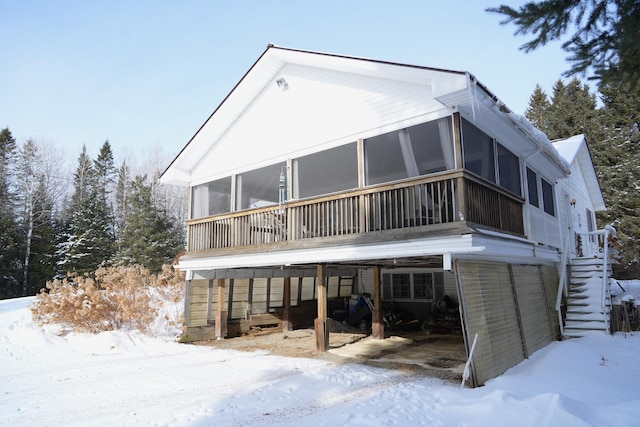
point(441, 176)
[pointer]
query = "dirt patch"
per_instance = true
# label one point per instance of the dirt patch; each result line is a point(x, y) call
point(418, 353)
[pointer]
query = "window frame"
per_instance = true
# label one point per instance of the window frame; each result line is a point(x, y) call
point(389, 285)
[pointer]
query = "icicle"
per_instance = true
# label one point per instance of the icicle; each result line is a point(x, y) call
point(471, 91)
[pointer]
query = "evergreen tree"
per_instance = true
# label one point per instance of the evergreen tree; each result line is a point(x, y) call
point(83, 179)
point(617, 156)
point(151, 237)
point(606, 38)
point(572, 111)
point(122, 199)
point(538, 110)
point(9, 237)
point(89, 238)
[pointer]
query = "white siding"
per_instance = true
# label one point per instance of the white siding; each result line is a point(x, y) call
point(576, 189)
point(284, 123)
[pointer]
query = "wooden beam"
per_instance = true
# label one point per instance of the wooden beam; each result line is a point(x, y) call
point(286, 304)
point(221, 314)
point(377, 325)
point(322, 332)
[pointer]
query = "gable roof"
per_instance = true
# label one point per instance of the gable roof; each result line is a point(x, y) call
point(341, 84)
point(575, 151)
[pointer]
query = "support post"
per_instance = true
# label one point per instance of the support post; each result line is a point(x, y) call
point(377, 325)
point(286, 304)
point(322, 332)
point(221, 314)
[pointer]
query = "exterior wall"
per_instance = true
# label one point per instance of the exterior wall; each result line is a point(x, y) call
point(419, 309)
point(573, 217)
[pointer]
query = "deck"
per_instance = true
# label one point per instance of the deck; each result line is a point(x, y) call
point(444, 203)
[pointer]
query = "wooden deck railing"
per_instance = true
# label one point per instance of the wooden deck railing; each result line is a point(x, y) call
point(445, 198)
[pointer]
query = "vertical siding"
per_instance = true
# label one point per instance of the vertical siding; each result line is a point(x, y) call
point(259, 305)
point(276, 293)
point(489, 308)
point(198, 303)
point(308, 288)
point(551, 280)
point(533, 307)
point(240, 298)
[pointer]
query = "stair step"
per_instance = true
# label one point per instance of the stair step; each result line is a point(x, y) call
point(590, 324)
point(585, 317)
point(571, 333)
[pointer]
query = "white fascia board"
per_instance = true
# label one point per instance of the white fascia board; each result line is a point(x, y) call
point(514, 250)
point(347, 253)
point(176, 176)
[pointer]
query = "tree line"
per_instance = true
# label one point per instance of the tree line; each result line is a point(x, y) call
point(52, 225)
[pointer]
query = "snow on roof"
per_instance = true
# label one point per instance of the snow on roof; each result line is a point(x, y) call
point(568, 148)
point(540, 138)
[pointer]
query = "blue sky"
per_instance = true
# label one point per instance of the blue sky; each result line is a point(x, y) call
point(146, 74)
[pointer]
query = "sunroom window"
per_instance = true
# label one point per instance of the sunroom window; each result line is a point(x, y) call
point(212, 198)
point(509, 170)
point(259, 187)
point(479, 155)
point(326, 172)
point(417, 150)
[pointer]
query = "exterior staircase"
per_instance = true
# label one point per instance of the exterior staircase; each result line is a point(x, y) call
point(589, 297)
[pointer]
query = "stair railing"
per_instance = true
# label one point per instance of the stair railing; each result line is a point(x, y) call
point(562, 286)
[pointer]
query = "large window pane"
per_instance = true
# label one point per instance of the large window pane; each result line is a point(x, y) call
point(418, 150)
point(432, 145)
point(532, 186)
point(258, 187)
point(509, 170)
point(326, 172)
point(401, 286)
point(548, 198)
point(383, 159)
point(423, 286)
point(478, 151)
point(212, 198)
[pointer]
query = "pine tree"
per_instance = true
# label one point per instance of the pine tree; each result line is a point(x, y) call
point(9, 237)
point(89, 238)
point(82, 179)
point(538, 110)
point(122, 199)
point(606, 39)
point(572, 111)
point(151, 237)
point(617, 156)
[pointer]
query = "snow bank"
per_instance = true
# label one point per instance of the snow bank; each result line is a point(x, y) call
point(55, 377)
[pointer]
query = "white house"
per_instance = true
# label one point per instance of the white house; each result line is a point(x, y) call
point(322, 176)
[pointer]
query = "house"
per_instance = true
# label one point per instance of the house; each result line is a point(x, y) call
point(323, 178)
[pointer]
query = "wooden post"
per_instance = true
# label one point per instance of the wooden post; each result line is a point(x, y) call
point(221, 314)
point(286, 304)
point(322, 332)
point(377, 325)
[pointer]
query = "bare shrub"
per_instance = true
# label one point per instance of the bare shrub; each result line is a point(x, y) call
point(113, 298)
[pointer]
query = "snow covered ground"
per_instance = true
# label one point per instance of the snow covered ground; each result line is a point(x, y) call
point(49, 377)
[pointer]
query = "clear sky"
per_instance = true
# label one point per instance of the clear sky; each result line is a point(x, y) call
point(145, 74)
